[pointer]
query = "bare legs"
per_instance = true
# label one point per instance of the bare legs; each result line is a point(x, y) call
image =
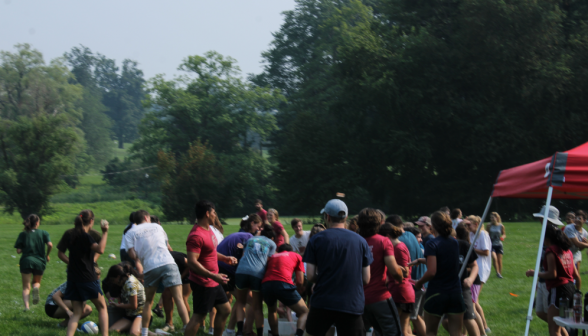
point(299, 308)
point(78, 311)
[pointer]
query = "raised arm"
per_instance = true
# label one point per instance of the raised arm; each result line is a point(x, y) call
point(99, 248)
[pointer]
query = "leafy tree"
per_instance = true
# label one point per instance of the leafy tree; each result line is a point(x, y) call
point(39, 140)
point(212, 115)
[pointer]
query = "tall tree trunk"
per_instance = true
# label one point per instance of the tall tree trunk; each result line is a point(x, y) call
point(121, 143)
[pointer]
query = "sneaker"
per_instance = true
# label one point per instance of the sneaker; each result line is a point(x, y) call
point(499, 275)
point(168, 328)
point(488, 331)
point(35, 295)
point(160, 332)
point(157, 311)
point(210, 331)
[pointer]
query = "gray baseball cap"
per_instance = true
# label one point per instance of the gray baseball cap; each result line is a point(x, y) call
point(552, 215)
point(334, 207)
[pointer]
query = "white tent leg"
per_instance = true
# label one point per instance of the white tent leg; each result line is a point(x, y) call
point(537, 263)
point(470, 251)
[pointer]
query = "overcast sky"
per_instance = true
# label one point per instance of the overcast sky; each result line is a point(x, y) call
point(157, 34)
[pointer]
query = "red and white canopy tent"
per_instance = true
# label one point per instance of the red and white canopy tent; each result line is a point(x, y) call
point(563, 176)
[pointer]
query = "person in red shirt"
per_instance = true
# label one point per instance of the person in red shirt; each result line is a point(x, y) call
point(282, 236)
point(560, 273)
point(379, 312)
point(260, 211)
point(205, 281)
point(402, 291)
point(277, 285)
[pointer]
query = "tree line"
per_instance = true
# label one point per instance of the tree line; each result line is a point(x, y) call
point(403, 105)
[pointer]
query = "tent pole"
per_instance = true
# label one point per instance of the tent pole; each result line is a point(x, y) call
point(465, 264)
point(537, 263)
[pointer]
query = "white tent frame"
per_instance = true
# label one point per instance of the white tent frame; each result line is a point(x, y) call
point(539, 252)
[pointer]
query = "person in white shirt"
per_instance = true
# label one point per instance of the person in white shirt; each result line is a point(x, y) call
point(482, 247)
point(455, 217)
point(147, 243)
point(300, 238)
point(578, 237)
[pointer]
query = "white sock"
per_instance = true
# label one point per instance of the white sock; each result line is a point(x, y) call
point(145, 332)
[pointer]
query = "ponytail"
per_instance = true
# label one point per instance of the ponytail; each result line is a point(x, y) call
point(30, 222)
point(83, 219)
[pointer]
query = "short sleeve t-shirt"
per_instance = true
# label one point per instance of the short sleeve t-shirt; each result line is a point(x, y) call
point(402, 292)
point(299, 244)
point(281, 266)
point(339, 256)
point(93, 233)
point(446, 280)
point(230, 247)
point(257, 251)
point(380, 247)
point(219, 236)
point(150, 243)
point(133, 287)
point(32, 244)
point(203, 242)
point(50, 300)
point(263, 215)
point(571, 232)
point(464, 247)
point(427, 239)
point(416, 252)
point(278, 228)
point(81, 256)
point(484, 262)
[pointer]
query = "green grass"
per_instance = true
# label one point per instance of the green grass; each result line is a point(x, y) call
point(505, 313)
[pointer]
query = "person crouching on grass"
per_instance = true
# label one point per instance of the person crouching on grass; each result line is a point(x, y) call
point(31, 243)
point(277, 285)
point(58, 308)
point(132, 299)
point(82, 280)
point(559, 274)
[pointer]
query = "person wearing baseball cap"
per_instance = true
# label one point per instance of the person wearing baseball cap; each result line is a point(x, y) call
point(424, 224)
point(344, 260)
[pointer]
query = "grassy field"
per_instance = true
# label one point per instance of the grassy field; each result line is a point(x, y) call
point(505, 313)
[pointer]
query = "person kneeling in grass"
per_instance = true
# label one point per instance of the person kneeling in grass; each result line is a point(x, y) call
point(277, 285)
point(58, 308)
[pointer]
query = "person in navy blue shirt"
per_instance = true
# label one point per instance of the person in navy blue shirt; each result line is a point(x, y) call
point(343, 258)
point(444, 291)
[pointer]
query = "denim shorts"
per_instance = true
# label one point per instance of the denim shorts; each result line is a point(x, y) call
point(168, 274)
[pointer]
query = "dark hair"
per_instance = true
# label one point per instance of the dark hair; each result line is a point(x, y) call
point(414, 230)
point(581, 213)
point(285, 247)
point(258, 201)
point(395, 220)
point(131, 222)
point(445, 209)
point(268, 231)
point(368, 221)
point(123, 269)
point(352, 224)
point(140, 216)
point(252, 218)
point(30, 222)
point(202, 207)
point(557, 237)
point(295, 221)
point(455, 213)
point(154, 219)
point(389, 230)
point(316, 229)
point(461, 232)
point(442, 223)
point(83, 219)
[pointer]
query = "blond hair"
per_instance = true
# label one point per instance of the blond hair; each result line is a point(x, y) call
point(275, 212)
point(477, 220)
point(497, 216)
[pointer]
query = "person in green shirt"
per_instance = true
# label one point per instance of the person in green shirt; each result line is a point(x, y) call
point(31, 244)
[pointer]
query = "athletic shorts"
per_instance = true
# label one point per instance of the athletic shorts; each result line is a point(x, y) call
point(320, 321)
point(82, 291)
point(418, 304)
point(564, 291)
point(168, 274)
point(405, 307)
point(273, 291)
point(383, 316)
point(205, 298)
point(50, 309)
point(32, 270)
point(132, 318)
point(230, 285)
point(541, 298)
point(444, 303)
point(475, 289)
point(469, 303)
point(499, 249)
point(245, 281)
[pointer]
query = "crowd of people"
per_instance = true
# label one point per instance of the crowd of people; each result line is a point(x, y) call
point(349, 275)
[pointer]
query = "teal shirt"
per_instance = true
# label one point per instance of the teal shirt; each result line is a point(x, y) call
point(32, 244)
